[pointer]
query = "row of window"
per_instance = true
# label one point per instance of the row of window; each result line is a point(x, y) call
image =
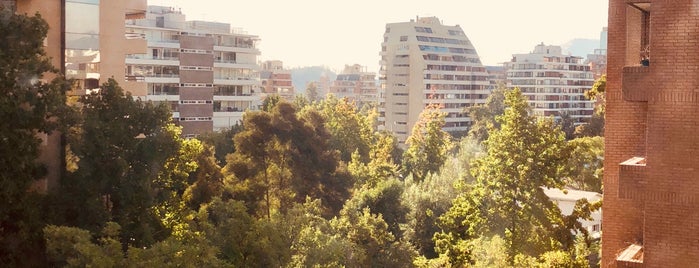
point(450, 58)
point(455, 68)
point(457, 96)
point(447, 49)
point(552, 90)
point(455, 87)
point(559, 82)
point(442, 40)
point(451, 77)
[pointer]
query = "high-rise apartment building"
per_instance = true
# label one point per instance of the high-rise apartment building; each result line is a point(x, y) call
point(87, 41)
point(554, 83)
point(424, 61)
point(207, 71)
point(276, 80)
point(357, 84)
point(651, 174)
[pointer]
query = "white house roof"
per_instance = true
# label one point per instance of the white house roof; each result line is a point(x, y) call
point(571, 195)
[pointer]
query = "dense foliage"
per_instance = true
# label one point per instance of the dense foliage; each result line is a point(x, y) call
point(302, 184)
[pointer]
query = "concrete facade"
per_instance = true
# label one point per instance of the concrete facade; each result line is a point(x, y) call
point(554, 83)
point(422, 62)
point(206, 71)
point(651, 180)
point(356, 84)
point(276, 80)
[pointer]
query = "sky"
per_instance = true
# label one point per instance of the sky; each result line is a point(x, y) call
point(334, 33)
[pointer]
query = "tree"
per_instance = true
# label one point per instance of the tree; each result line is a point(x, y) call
point(596, 125)
point(281, 157)
point(483, 116)
point(30, 107)
point(523, 156)
point(312, 92)
point(222, 142)
point(123, 147)
point(427, 144)
point(349, 129)
point(586, 164)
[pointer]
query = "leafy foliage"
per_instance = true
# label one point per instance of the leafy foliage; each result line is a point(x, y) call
point(427, 144)
point(31, 107)
point(483, 116)
point(523, 156)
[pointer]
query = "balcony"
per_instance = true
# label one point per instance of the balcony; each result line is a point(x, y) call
point(632, 178)
point(637, 83)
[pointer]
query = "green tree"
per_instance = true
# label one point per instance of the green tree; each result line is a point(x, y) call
point(586, 164)
point(427, 144)
point(312, 92)
point(373, 243)
point(281, 157)
point(122, 146)
point(29, 106)
point(595, 127)
point(523, 156)
point(349, 129)
point(222, 142)
point(483, 116)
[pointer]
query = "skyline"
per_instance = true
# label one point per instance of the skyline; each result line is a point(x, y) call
point(323, 33)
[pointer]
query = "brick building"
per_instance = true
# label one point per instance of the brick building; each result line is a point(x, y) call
point(651, 178)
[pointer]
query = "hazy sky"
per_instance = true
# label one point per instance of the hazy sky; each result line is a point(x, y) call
point(335, 33)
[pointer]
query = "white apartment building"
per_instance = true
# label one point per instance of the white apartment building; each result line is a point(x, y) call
point(356, 84)
point(554, 83)
point(424, 61)
point(207, 71)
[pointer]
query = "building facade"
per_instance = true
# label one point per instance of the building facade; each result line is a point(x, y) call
point(651, 180)
point(424, 61)
point(553, 83)
point(357, 84)
point(87, 42)
point(276, 80)
point(206, 71)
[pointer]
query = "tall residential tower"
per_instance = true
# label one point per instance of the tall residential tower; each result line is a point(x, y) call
point(424, 61)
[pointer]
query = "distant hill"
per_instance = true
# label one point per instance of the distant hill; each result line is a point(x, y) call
point(580, 47)
point(300, 76)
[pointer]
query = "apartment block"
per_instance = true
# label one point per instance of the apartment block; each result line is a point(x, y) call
point(553, 83)
point(357, 84)
point(206, 71)
point(426, 62)
point(88, 42)
point(276, 80)
point(651, 179)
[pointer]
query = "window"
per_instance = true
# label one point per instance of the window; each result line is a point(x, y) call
point(404, 38)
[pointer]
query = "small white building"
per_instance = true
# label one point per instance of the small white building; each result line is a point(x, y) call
point(566, 199)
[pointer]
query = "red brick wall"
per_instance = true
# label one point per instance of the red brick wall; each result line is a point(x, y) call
point(662, 125)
